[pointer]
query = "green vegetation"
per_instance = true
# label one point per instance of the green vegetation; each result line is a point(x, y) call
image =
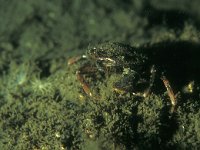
point(42, 104)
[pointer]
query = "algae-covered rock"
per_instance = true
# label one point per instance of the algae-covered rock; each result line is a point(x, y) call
point(44, 102)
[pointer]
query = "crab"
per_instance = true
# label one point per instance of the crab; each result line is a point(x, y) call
point(109, 58)
point(139, 68)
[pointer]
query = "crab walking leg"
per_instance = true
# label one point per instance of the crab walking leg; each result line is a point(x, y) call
point(169, 91)
point(151, 81)
point(84, 85)
point(152, 77)
point(75, 59)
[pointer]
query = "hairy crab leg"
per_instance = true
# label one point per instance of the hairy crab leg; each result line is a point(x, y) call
point(84, 85)
point(75, 59)
point(86, 69)
point(80, 78)
point(170, 92)
point(151, 81)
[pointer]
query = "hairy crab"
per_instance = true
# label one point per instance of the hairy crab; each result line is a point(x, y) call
point(138, 67)
point(108, 58)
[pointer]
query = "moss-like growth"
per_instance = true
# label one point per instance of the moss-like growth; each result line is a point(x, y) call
point(44, 106)
point(187, 134)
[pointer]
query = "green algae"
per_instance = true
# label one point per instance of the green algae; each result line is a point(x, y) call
point(42, 105)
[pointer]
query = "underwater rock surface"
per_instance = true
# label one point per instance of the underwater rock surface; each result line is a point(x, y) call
point(44, 106)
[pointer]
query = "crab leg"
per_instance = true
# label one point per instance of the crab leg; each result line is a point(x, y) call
point(79, 73)
point(169, 91)
point(75, 59)
point(151, 82)
point(84, 85)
